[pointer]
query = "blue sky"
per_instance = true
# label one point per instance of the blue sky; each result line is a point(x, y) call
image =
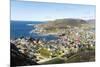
point(40, 11)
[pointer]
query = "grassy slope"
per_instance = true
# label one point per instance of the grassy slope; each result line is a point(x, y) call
point(87, 56)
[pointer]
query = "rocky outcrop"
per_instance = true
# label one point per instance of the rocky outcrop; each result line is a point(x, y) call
point(19, 59)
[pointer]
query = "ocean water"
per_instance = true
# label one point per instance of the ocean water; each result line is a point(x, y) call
point(21, 28)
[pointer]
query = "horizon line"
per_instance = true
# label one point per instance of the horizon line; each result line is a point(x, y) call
point(54, 19)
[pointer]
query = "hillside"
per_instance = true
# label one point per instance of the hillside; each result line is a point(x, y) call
point(88, 56)
point(92, 21)
point(60, 25)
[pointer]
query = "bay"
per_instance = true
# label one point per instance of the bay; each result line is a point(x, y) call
point(23, 28)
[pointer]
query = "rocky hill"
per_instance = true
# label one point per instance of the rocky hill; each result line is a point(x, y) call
point(19, 59)
point(60, 25)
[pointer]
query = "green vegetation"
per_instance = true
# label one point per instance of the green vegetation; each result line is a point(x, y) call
point(77, 57)
point(44, 52)
point(54, 61)
point(82, 57)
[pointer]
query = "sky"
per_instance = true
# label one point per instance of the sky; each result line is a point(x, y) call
point(41, 11)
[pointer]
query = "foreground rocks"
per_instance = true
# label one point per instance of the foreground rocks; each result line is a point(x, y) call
point(19, 59)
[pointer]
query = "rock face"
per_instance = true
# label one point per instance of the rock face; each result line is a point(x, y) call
point(19, 59)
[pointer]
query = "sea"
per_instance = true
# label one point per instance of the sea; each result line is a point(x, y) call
point(23, 28)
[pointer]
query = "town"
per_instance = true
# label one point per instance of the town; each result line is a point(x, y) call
point(72, 41)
